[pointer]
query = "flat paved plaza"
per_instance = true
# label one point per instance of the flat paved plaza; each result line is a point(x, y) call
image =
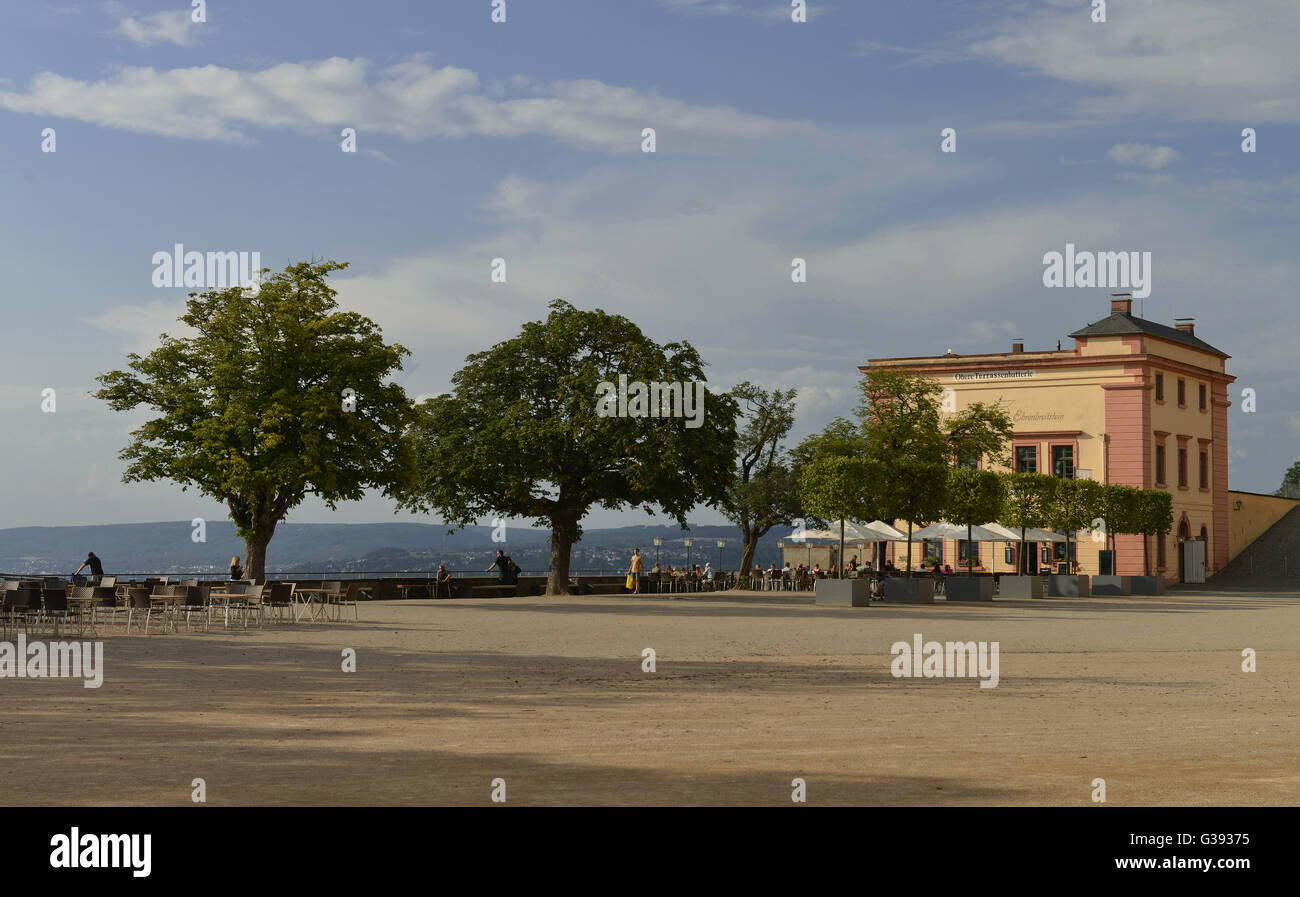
point(749, 692)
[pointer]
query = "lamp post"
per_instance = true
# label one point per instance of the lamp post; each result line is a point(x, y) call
point(658, 540)
point(687, 543)
point(721, 543)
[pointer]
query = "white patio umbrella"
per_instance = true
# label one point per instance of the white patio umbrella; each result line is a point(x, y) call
point(1032, 533)
point(880, 531)
point(945, 530)
point(875, 531)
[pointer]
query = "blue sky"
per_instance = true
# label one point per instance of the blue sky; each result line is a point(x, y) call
point(522, 140)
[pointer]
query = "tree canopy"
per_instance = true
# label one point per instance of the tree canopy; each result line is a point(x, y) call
point(520, 434)
point(764, 491)
point(277, 395)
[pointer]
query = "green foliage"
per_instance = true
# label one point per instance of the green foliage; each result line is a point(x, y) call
point(835, 487)
point(980, 431)
point(520, 434)
point(840, 437)
point(1075, 504)
point(249, 410)
point(974, 496)
point(764, 489)
point(1156, 513)
point(1290, 479)
point(906, 444)
point(1121, 508)
point(1028, 499)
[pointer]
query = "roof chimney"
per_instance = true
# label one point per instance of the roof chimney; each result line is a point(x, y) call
point(1186, 325)
point(1121, 303)
point(1017, 345)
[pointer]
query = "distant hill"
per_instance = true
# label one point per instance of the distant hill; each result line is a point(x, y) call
point(127, 548)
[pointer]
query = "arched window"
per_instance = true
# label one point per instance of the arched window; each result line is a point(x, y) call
point(1205, 536)
point(1184, 531)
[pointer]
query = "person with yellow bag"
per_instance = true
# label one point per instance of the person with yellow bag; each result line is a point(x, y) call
point(634, 571)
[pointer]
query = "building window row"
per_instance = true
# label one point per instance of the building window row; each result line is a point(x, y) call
point(1062, 460)
point(1202, 393)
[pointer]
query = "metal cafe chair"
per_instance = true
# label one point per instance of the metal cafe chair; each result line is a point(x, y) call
point(347, 599)
point(279, 600)
point(195, 605)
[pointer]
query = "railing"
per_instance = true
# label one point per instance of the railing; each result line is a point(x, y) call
point(206, 575)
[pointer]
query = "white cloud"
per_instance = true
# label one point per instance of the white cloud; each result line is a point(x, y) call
point(173, 26)
point(411, 100)
point(1143, 155)
point(1198, 60)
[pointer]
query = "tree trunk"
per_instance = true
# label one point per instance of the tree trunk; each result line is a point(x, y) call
point(562, 539)
point(970, 561)
point(909, 548)
point(749, 541)
point(1023, 562)
point(839, 567)
point(255, 553)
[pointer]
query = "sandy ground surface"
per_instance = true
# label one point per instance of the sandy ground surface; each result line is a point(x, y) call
point(750, 691)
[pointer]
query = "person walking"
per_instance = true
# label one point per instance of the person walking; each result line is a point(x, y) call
point(505, 568)
point(95, 565)
point(635, 569)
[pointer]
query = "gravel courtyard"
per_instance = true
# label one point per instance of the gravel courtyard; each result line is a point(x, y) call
point(750, 691)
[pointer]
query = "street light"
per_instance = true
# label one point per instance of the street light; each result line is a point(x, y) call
point(658, 540)
point(687, 543)
point(722, 543)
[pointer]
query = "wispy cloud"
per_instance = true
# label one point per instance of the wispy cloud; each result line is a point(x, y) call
point(1143, 155)
point(172, 26)
point(1196, 60)
point(411, 100)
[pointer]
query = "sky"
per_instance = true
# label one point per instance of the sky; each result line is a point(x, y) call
point(522, 140)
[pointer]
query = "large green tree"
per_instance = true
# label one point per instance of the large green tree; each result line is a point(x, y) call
point(1155, 518)
point(277, 395)
point(1121, 511)
point(1029, 497)
point(838, 487)
point(764, 492)
point(527, 432)
point(905, 441)
point(974, 497)
point(1075, 504)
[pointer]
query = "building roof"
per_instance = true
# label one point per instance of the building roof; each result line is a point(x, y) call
point(1122, 323)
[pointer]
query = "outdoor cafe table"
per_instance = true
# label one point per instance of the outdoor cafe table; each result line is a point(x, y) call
point(86, 606)
point(316, 602)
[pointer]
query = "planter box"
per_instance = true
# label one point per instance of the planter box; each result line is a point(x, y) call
point(843, 592)
point(1110, 585)
point(969, 588)
point(1146, 585)
point(909, 591)
point(1020, 587)
point(1062, 586)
